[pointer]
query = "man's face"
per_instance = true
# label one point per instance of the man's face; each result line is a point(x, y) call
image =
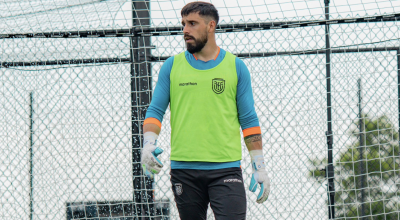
point(195, 32)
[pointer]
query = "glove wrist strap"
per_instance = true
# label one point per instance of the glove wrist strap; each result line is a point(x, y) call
point(257, 159)
point(150, 137)
point(254, 153)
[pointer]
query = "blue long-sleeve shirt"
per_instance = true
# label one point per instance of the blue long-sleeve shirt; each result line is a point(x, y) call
point(244, 99)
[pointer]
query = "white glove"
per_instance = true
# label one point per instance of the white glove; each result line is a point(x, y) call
point(150, 163)
point(259, 176)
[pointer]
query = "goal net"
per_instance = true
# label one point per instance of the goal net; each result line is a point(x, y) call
point(76, 79)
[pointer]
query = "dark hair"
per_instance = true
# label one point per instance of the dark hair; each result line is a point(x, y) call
point(203, 8)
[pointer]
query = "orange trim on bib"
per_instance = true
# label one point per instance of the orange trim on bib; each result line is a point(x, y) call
point(251, 131)
point(152, 121)
point(219, 49)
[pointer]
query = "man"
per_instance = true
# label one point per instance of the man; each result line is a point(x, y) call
point(210, 96)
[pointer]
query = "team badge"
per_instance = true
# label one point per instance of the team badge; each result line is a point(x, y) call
point(178, 189)
point(218, 85)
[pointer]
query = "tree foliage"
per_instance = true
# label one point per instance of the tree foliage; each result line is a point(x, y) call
point(377, 167)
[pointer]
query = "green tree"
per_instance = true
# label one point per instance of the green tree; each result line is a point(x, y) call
point(379, 170)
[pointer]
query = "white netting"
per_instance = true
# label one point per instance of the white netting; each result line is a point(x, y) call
point(72, 104)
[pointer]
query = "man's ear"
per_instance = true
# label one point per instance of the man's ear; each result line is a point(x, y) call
point(212, 25)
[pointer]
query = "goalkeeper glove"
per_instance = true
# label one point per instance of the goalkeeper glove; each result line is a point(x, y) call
point(150, 163)
point(259, 176)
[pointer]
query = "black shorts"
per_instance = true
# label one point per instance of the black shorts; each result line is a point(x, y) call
point(223, 189)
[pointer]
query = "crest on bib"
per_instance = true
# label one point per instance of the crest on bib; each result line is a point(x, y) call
point(218, 85)
point(178, 189)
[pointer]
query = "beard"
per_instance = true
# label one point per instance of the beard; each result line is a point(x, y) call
point(197, 45)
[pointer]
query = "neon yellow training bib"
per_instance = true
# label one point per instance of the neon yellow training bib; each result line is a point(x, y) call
point(204, 117)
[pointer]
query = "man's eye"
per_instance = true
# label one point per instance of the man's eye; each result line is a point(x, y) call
point(192, 23)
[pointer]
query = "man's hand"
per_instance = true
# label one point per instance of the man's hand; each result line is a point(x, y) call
point(259, 176)
point(150, 163)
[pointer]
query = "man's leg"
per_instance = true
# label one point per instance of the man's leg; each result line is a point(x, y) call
point(190, 193)
point(227, 194)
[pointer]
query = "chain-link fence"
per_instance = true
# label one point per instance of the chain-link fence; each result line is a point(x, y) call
point(76, 79)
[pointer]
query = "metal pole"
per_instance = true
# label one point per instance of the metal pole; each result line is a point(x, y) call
point(329, 133)
point(398, 97)
point(361, 149)
point(140, 96)
point(31, 155)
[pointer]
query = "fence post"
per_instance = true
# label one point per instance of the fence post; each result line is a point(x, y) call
point(141, 95)
point(31, 155)
point(361, 148)
point(329, 135)
point(398, 95)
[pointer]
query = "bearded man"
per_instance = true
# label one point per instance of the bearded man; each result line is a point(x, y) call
point(210, 96)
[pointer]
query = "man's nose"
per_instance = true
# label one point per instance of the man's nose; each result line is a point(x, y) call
point(185, 29)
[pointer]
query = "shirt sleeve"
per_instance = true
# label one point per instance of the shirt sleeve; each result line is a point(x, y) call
point(160, 100)
point(245, 103)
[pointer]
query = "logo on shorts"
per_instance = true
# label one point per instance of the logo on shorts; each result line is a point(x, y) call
point(218, 85)
point(232, 181)
point(178, 189)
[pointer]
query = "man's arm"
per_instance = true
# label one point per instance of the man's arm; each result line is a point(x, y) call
point(152, 123)
point(251, 131)
point(246, 112)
